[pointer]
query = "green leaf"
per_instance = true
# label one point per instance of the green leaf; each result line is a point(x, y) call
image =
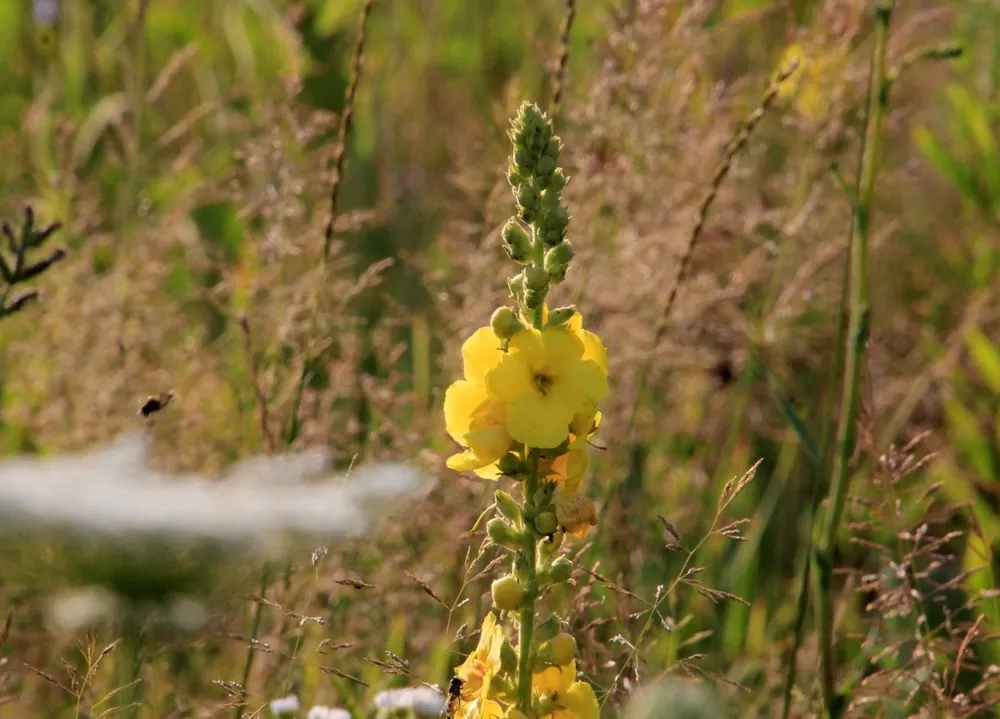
point(986, 355)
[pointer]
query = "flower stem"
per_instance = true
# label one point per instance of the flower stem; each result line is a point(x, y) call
point(526, 617)
point(857, 338)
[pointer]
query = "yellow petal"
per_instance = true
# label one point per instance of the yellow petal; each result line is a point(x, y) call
point(491, 471)
point(581, 703)
point(559, 347)
point(467, 461)
point(589, 381)
point(539, 421)
point(527, 345)
point(480, 353)
point(461, 402)
point(594, 350)
point(511, 378)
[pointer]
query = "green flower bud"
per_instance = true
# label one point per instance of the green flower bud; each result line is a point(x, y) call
point(560, 571)
point(545, 523)
point(522, 159)
point(561, 649)
point(557, 274)
point(560, 316)
point(512, 466)
point(516, 242)
point(557, 219)
point(502, 534)
point(507, 593)
point(535, 278)
point(552, 148)
point(558, 182)
point(521, 567)
point(561, 254)
point(545, 166)
point(514, 177)
point(551, 238)
point(505, 323)
point(527, 197)
point(516, 286)
point(507, 506)
point(533, 299)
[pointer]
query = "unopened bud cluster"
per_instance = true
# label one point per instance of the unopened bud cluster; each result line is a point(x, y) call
point(536, 238)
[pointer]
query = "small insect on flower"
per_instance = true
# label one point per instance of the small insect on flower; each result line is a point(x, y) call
point(155, 403)
point(454, 697)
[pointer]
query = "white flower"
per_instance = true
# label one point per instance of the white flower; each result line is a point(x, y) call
point(423, 701)
point(112, 491)
point(321, 712)
point(285, 705)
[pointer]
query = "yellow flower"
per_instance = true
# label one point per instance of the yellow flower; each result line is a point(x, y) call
point(593, 348)
point(574, 512)
point(545, 380)
point(477, 672)
point(471, 416)
point(570, 699)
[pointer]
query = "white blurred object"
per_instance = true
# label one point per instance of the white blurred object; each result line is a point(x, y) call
point(422, 701)
point(45, 13)
point(285, 706)
point(321, 712)
point(113, 491)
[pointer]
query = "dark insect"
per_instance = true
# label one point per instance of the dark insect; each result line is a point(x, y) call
point(454, 696)
point(154, 404)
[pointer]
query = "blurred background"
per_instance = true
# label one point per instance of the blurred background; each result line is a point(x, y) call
point(188, 148)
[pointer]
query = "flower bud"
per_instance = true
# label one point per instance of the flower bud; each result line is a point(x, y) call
point(561, 254)
point(560, 571)
point(508, 658)
point(557, 274)
point(535, 278)
point(552, 148)
point(514, 177)
point(547, 629)
point(505, 323)
point(507, 506)
point(546, 165)
point(557, 218)
point(516, 242)
point(515, 713)
point(561, 649)
point(516, 286)
point(522, 567)
point(527, 198)
point(522, 159)
point(545, 523)
point(560, 316)
point(512, 466)
point(507, 593)
point(502, 533)
point(533, 299)
point(558, 182)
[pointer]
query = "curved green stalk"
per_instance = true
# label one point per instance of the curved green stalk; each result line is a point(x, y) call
point(526, 615)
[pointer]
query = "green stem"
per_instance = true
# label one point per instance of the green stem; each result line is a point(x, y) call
point(857, 337)
point(526, 617)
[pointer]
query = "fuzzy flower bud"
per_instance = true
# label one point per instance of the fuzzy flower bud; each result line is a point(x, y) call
point(502, 533)
point(511, 465)
point(507, 506)
point(560, 571)
point(544, 495)
point(507, 593)
point(516, 286)
point(545, 166)
point(560, 316)
point(527, 198)
point(545, 523)
point(535, 278)
point(557, 274)
point(505, 323)
point(516, 242)
point(558, 182)
point(561, 254)
point(561, 649)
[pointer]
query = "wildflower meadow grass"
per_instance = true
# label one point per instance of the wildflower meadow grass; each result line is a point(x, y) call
point(521, 360)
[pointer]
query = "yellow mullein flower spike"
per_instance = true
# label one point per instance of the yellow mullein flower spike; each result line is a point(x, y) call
point(545, 381)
